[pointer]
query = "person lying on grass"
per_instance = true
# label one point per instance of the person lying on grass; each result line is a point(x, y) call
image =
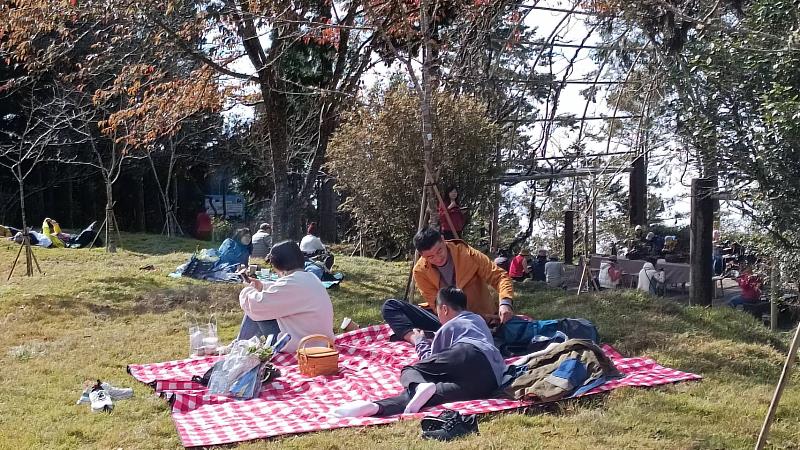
point(459, 363)
point(296, 303)
point(450, 264)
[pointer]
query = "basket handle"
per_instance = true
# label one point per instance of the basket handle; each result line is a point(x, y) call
point(321, 337)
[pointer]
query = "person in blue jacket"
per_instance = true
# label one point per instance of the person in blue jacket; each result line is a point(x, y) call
point(236, 249)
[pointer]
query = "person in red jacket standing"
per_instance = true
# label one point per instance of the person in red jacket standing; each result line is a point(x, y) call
point(203, 226)
point(455, 212)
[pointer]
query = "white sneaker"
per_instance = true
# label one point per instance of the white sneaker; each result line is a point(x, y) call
point(101, 401)
point(114, 392)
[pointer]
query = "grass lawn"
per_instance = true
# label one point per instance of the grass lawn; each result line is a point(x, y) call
point(94, 313)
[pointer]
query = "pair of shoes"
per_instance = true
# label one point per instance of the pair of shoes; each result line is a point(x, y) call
point(100, 399)
point(448, 425)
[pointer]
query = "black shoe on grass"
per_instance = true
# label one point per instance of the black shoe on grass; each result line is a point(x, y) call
point(453, 427)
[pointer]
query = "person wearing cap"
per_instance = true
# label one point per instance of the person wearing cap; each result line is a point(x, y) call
point(638, 232)
point(262, 241)
point(445, 264)
point(518, 270)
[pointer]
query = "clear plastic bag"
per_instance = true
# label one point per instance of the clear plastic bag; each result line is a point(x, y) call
point(238, 362)
point(196, 336)
point(203, 339)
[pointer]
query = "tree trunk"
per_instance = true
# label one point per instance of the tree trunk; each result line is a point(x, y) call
point(427, 113)
point(327, 204)
point(701, 285)
point(638, 192)
point(285, 217)
point(111, 244)
point(140, 221)
point(22, 200)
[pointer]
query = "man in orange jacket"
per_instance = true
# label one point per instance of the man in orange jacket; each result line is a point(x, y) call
point(450, 264)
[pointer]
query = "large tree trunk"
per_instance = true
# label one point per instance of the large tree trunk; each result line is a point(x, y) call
point(285, 216)
point(327, 205)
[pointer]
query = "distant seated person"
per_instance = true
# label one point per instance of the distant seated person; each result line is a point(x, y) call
point(262, 241)
point(750, 284)
point(296, 303)
point(650, 278)
point(537, 268)
point(459, 363)
point(445, 264)
point(554, 273)
point(670, 242)
point(610, 275)
point(311, 246)
point(454, 212)
point(236, 250)
point(503, 261)
point(518, 270)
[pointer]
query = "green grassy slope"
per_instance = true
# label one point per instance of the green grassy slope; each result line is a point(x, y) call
point(94, 313)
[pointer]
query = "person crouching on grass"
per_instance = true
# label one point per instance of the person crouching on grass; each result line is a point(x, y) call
point(459, 363)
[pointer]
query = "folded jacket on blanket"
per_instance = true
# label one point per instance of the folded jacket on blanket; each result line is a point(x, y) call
point(521, 337)
point(562, 370)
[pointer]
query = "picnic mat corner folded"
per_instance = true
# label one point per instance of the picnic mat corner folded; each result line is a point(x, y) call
point(369, 370)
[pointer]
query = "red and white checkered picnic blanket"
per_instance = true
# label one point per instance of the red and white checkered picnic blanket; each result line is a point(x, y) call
point(369, 370)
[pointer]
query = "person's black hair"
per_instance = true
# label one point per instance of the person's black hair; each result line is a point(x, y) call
point(241, 232)
point(651, 260)
point(286, 256)
point(452, 297)
point(426, 238)
point(448, 190)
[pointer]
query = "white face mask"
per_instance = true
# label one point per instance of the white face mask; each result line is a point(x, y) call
point(246, 240)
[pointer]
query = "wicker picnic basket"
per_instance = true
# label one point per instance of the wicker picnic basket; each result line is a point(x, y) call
point(315, 361)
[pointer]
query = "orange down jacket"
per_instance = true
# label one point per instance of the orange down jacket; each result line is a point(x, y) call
point(474, 273)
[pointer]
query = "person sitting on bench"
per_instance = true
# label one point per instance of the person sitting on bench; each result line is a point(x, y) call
point(459, 363)
point(450, 264)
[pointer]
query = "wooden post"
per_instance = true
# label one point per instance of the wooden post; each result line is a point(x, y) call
point(638, 192)
point(701, 291)
point(409, 294)
point(594, 214)
point(773, 405)
point(774, 296)
point(569, 236)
